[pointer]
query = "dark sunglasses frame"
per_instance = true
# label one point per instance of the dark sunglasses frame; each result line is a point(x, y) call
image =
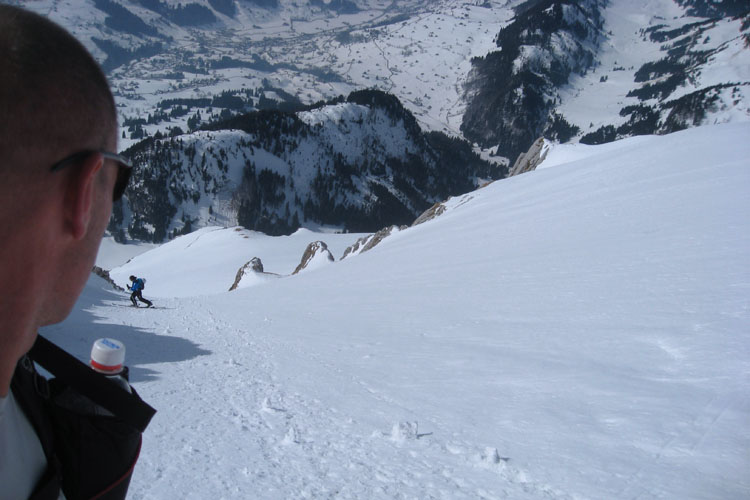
point(124, 168)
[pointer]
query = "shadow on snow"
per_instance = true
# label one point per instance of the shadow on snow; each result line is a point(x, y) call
point(89, 321)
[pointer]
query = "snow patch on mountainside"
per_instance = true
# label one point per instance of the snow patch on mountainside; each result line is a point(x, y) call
point(340, 127)
point(586, 99)
point(595, 99)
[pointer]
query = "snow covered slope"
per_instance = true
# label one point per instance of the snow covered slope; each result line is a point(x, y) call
point(580, 331)
point(206, 261)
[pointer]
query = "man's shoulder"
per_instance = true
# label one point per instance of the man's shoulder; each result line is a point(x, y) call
point(24, 435)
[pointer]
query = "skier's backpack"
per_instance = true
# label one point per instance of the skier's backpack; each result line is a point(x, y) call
point(89, 454)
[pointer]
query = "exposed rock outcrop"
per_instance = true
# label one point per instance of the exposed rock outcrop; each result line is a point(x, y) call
point(434, 211)
point(531, 159)
point(317, 253)
point(104, 274)
point(254, 266)
point(357, 246)
point(371, 240)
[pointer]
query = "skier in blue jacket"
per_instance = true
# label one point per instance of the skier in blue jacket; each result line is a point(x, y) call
point(137, 289)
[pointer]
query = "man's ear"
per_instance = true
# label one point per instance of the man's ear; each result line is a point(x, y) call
point(79, 199)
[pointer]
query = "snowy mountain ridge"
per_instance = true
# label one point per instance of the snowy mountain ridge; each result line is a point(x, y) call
point(358, 164)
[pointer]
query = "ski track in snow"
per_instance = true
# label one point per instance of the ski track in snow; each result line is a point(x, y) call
point(284, 444)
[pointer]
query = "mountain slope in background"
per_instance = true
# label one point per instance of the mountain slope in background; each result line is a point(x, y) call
point(579, 331)
point(216, 56)
point(590, 71)
point(512, 92)
point(357, 164)
point(568, 70)
point(602, 70)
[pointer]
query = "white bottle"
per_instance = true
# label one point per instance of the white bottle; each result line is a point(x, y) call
point(108, 357)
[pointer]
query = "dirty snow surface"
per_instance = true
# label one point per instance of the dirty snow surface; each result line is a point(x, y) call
point(581, 331)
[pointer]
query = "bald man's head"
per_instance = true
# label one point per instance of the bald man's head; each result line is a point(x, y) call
point(54, 98)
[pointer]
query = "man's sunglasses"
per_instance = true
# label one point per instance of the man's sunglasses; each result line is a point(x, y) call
point(124, 168)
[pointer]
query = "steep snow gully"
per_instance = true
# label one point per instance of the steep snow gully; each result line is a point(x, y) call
point(580, 331)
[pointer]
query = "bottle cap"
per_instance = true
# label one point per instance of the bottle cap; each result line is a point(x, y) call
point(108, 356)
